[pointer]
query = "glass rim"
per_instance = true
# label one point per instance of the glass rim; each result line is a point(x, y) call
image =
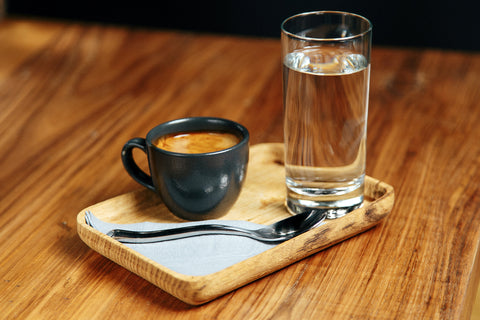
point(310, 13)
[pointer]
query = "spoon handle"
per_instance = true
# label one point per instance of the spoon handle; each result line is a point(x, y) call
point(127, 236)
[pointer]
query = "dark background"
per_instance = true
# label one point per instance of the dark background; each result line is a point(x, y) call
point(427, 24)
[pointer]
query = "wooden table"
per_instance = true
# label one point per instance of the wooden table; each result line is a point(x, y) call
point(72, 94)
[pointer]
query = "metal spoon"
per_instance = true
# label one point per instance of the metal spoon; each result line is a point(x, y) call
point(275, 233)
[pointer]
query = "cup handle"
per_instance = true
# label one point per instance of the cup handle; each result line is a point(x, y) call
point(131, 166)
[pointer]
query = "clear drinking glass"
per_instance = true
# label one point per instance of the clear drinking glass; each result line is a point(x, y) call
point(326, 76)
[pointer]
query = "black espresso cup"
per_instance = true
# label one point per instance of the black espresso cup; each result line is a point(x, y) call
point(193, 186)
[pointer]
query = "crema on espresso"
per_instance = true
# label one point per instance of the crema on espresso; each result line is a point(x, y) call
point(197, 141)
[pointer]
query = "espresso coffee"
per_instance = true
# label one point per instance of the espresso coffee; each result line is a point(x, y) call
point(193, 181)
point(197, 141)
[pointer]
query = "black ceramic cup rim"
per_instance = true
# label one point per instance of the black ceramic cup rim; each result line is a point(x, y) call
point(192, 124)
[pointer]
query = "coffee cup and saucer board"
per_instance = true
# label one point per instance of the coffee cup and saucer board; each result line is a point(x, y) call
point(260, 201)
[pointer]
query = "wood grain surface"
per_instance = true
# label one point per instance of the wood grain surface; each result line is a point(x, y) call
point(72, 94)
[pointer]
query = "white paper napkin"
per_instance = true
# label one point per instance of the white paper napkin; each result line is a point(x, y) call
point(195, 256)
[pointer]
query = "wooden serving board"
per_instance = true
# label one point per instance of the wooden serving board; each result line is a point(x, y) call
point(261, 201)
